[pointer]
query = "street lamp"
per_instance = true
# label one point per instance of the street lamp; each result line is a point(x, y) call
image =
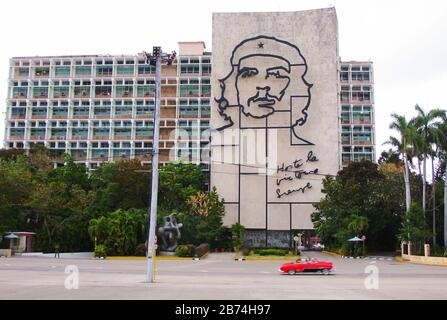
point(155, 59)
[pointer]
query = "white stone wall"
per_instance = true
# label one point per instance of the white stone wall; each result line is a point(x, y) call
point(275, 80)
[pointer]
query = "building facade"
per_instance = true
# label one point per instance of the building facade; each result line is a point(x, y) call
point(275, 87)
point(357, 111)
point(100, 108)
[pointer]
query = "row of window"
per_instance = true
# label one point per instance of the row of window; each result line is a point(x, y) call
point(107, 102)
point(102, 61)
point(106, 91)
point(105, 71)
point(85, 112)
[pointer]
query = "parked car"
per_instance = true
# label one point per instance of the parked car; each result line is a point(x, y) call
point(307, 265)
point(318, 247)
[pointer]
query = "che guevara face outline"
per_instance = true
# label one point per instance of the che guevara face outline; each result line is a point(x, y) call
point(261, 82)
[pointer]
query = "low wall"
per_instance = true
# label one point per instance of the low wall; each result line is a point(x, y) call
point(438, 261)
point(5, 252)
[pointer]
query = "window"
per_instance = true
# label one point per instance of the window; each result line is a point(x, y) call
point(104, 71)
point(40, 92)
point(124, 91)
point(206, 69)
point(18, 92)
point(22, 72)
point(189, 69)
point(38, 132)
point(125, 70)
point(79, 132)
point(62, 71)
point(146, 70)
point(42, 72)
point(83, 70)
point(103, 91)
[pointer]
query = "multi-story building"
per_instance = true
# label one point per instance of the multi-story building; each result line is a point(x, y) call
point(100, 108)
point(357, 111)
point(272, 74)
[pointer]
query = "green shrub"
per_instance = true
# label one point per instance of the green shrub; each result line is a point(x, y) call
point(140, 250)
point(185, 250)
point(271, 252)
point(100, 251)
point(202, 249)
point(237, 236)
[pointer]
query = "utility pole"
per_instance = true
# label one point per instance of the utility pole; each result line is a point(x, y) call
point(155, 59)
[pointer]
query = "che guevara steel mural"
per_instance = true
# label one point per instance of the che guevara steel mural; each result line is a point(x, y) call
point(263, 82)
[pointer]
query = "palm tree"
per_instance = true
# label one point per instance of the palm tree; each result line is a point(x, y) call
point(442, 144)
point(428, 133)
point(407, 133)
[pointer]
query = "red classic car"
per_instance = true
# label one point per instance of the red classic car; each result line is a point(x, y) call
point(307, 265)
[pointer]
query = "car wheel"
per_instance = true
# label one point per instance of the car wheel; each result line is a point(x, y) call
point(291, 272)
point(325, 272)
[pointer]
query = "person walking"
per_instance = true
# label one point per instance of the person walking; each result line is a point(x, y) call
point(56, 251)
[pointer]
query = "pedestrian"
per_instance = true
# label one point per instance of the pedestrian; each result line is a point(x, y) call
point(56, 251)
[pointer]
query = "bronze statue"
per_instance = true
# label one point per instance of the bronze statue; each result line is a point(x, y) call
point(169, 233)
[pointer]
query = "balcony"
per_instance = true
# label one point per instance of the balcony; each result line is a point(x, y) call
point(101, 116)
point(33, 138)
point(79, 137)
point(18, 116)
point(362, 142)
point(58, 138)
point(80, 116)
point(38, 116)
point(17, 137)
point(19, 96)
point(119, 137)
point(137, 137)
point(362, 121)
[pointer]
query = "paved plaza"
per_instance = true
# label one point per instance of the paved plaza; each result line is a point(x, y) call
point(218, 277)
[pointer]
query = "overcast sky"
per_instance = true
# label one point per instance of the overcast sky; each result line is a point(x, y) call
point(406, 40)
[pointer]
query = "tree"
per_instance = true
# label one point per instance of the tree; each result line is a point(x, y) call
point(426, 126)
point(203, 221)
point(15, 187)
point(413, 227)
point(442, 127)
point(407, 133)
point(390, 156)
point(178, 182)
point(361, 199)
point(121, 185)
point(120, 231)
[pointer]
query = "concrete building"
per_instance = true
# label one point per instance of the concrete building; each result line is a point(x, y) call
point(357, 111)
point(284, 112)
point(100, 108)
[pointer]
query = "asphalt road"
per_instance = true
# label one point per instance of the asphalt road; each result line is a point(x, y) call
point(218, 277)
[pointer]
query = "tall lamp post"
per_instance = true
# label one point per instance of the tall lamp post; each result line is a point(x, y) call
point(156, 59)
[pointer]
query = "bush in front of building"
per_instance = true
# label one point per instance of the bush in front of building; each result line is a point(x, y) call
point(185, 250)
point(140, 250)
point(100, 251)
point(271, 252)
